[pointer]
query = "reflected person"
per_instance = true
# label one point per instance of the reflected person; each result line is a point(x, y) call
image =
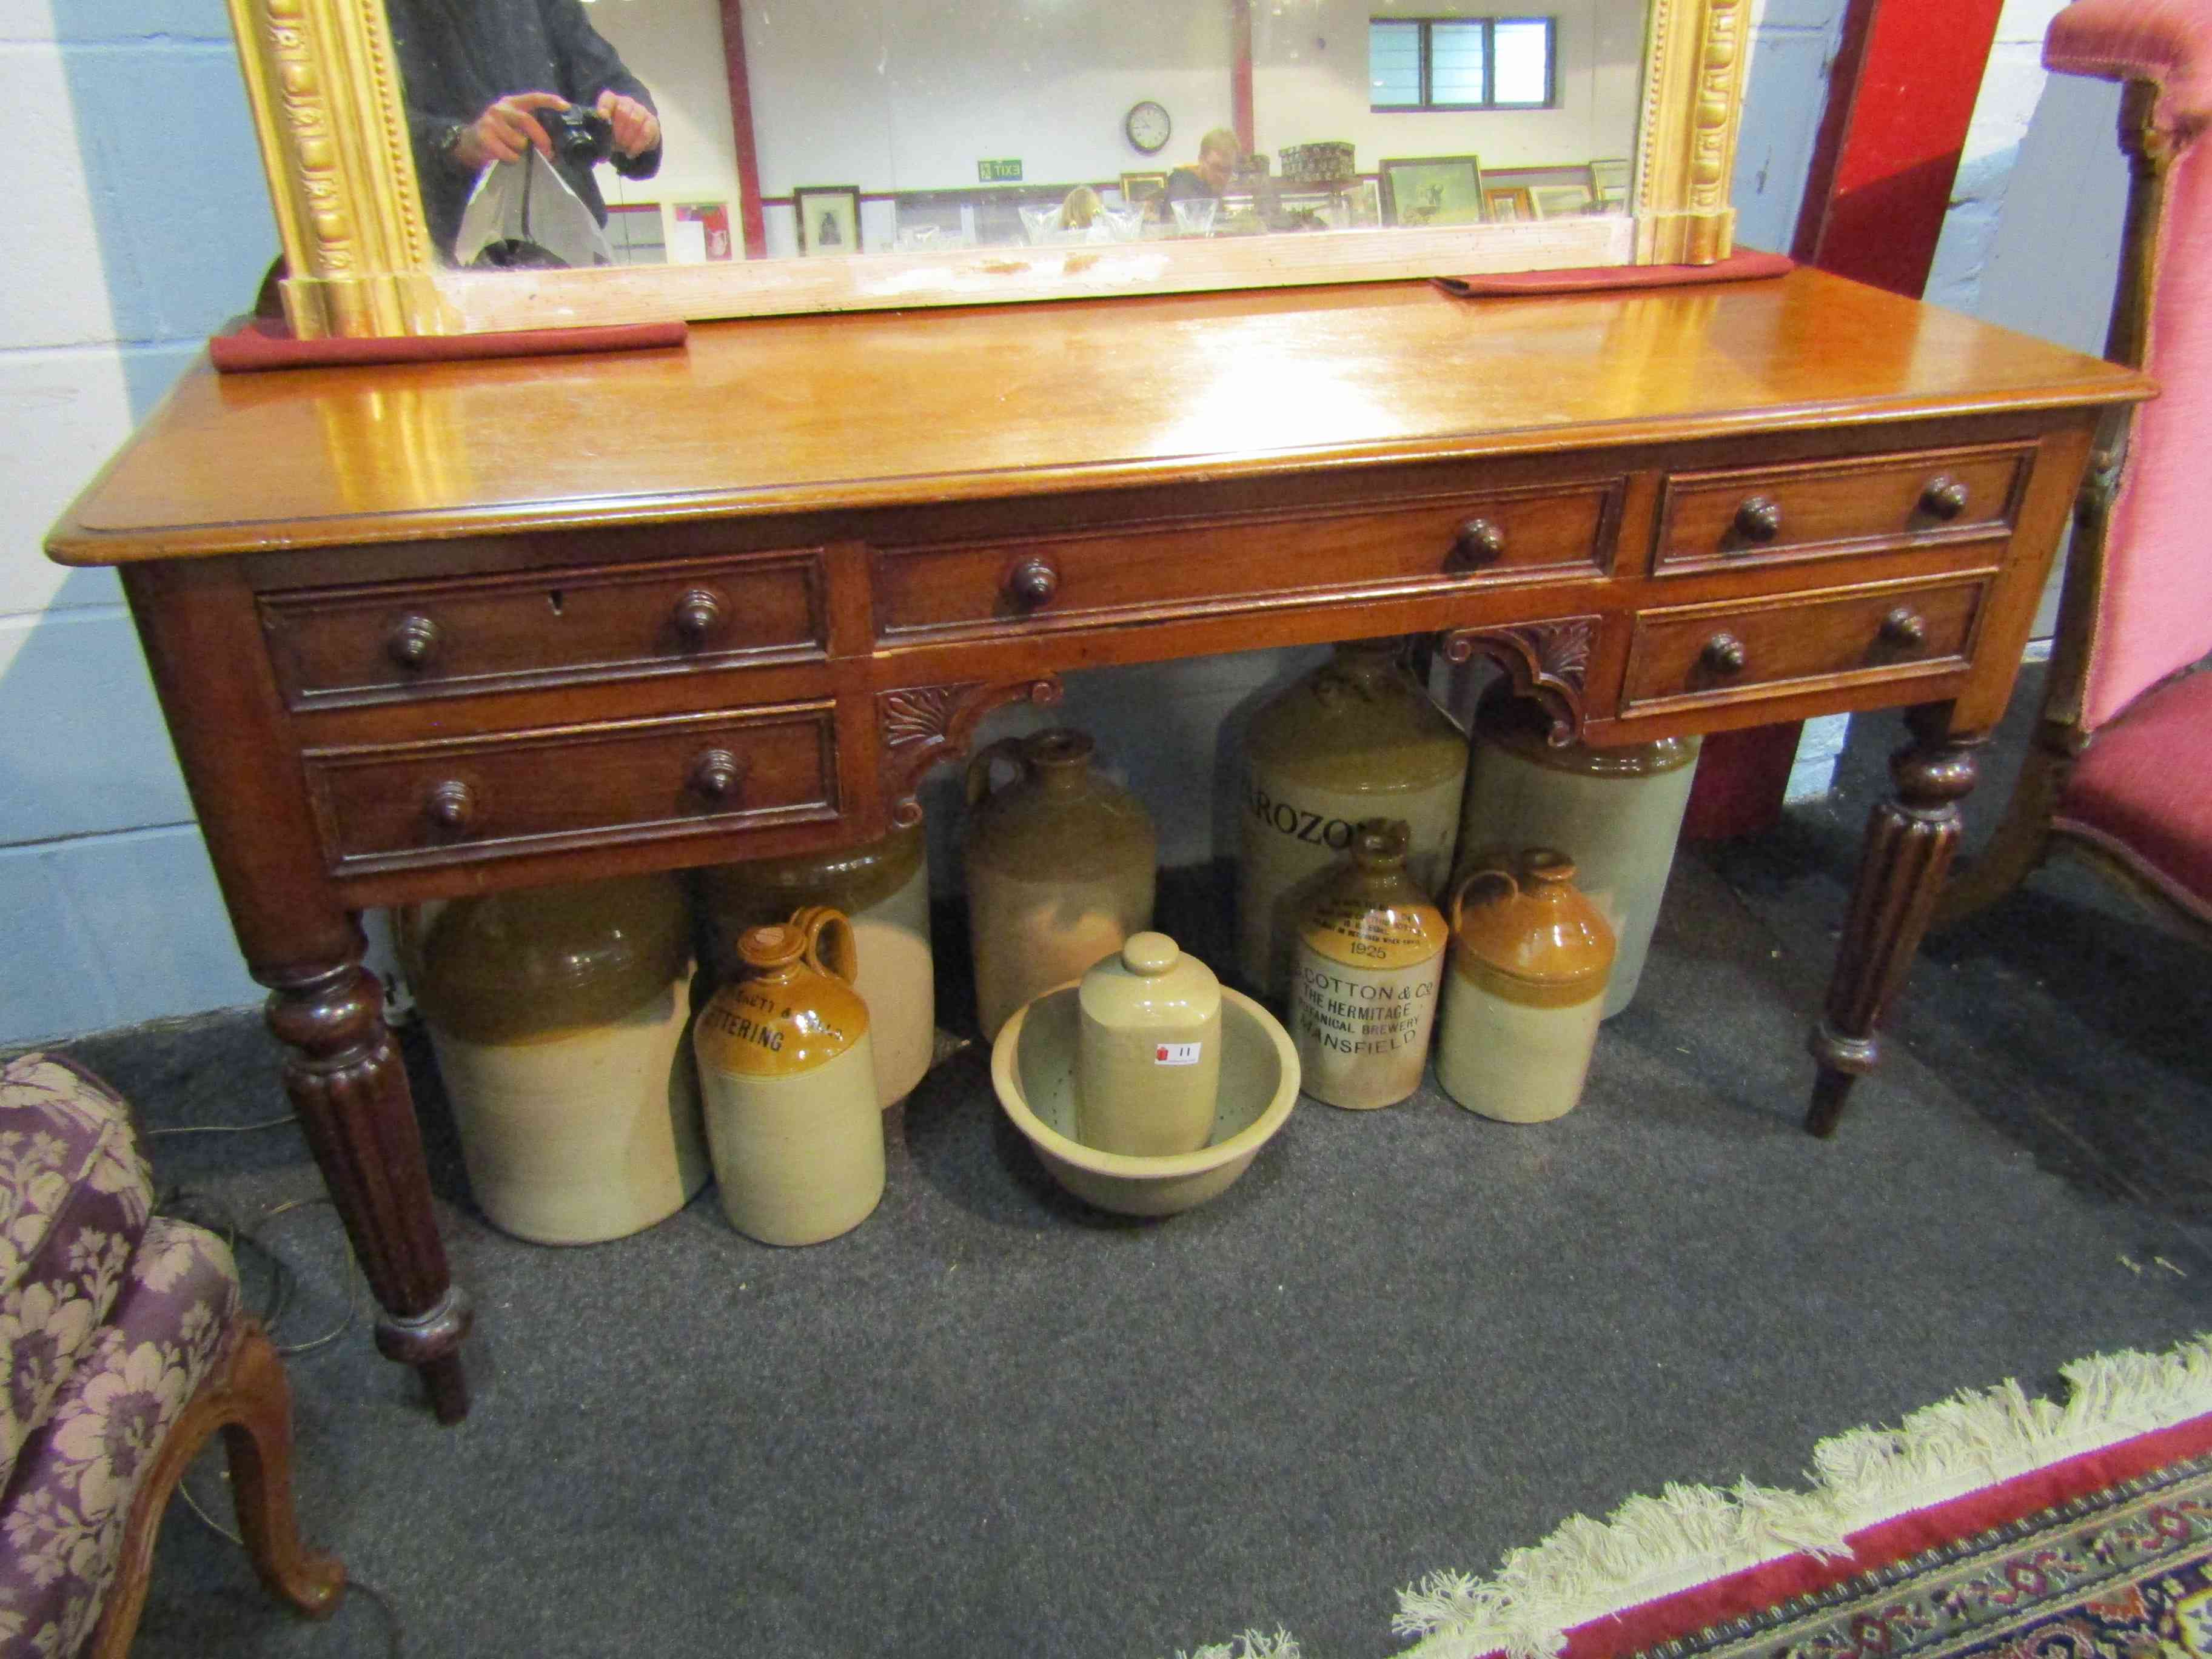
point(477, 72)
point(1219, 153)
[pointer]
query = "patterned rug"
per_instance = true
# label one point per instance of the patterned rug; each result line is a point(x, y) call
point(1992, 1525)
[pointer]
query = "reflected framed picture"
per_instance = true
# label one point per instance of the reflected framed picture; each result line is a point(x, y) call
point(1431, 189)
point(829, 219)
point(1561, 201)
point(1142, 189)
point(1610, 183)
point(703, 233)
point(1507, 204)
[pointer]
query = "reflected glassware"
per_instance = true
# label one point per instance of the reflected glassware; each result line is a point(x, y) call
point(1194, 214)
point(1038, 222)
point(1127, 224)
point(917, 236)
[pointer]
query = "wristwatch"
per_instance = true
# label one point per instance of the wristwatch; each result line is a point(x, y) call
point(449, 139)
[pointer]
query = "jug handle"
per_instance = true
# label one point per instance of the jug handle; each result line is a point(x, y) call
point(979, 765)
point(1495, 871)
point(832, 947)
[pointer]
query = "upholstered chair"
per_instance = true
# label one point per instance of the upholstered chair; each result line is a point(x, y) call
point(126, 1349)
point(2120, 770)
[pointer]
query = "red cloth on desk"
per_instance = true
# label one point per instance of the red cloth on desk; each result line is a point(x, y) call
point(257, 343)
point(1736, 268)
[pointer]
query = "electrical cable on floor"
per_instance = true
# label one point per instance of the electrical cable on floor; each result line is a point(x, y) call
point(223, 1128)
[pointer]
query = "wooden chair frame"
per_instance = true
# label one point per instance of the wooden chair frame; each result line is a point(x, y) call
point(2026, 834)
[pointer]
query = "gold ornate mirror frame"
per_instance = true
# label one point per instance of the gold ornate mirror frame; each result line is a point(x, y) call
point(323, 86)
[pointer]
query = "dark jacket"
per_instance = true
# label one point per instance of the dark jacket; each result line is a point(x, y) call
point(458, 57)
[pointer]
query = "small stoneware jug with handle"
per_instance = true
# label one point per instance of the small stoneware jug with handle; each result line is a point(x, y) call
point(788, 1074)
point(1531, 956)
point(1147, 1050)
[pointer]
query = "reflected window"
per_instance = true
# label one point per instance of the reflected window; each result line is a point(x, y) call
point(1462, 63)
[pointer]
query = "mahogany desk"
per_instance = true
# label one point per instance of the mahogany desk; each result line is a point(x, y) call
point(424, 631)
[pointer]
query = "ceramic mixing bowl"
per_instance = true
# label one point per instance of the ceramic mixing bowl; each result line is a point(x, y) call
point(1033, 1069)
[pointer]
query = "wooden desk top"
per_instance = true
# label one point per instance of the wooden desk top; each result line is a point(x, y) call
point(812, 413)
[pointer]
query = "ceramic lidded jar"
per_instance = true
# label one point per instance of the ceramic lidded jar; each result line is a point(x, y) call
point(1617, 812)
point(1147, 1050)
point(1061, 866)
point(1356, 738)
point(557, 1015)
point(1370, 951)
point(883, 887)
point(789, 1077)
point(1530, 959)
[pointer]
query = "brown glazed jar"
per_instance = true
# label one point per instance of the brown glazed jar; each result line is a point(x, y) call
point(1617, 812)
point(789, 1077)
point(557, 1015)
point(883, 886)
point(1531, 956)
point(1061, 867)
point(1356, 739)
point(1370, 951)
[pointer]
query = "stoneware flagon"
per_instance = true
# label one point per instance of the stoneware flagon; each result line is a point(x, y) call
point(789, 1073)
point(1617, 812)
point(1356, 739)
point(1371, 952)
point(557, 1015)
point(1530, 959)
point(883, 887)
point(1061, 866)
point(1148, 1050)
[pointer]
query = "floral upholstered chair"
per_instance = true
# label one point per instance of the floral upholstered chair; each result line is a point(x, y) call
point(126, 1349)
point(2117, 771)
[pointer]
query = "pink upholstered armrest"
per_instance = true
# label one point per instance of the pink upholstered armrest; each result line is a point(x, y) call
point(2165, 41)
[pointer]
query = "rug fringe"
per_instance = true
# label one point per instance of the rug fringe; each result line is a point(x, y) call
point(1652, 1547)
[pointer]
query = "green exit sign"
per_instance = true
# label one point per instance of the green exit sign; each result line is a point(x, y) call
point(999, 173)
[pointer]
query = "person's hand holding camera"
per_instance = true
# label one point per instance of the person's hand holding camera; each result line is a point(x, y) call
point(637, 129)
point(505, 131)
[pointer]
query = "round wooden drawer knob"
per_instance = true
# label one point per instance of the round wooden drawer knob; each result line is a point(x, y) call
point(1904, 626)
point(412, 641)
point(1724, 654)
point(451, 807)
point(717, 774)
point(1944, 498)
point(699, 615)
point(1480, 541)
point(1759, 519)
point(1033, 582)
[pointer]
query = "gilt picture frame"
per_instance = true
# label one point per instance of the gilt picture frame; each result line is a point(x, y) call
point(1431, 189)
point(322, 84)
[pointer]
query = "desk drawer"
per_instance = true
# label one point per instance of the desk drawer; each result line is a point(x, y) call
point(389, 805)
point(1711, 653)
point(1769, 514)
point(1244, 564)
point(473, 634)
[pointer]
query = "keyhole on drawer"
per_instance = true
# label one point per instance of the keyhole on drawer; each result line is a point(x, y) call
point(554, 599)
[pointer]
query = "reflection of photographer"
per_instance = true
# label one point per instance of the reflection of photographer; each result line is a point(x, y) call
point(490, 81)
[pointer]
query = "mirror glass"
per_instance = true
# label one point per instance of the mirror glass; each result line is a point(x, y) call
point(738, 130)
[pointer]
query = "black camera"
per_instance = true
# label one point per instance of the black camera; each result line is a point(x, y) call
point(581, 136)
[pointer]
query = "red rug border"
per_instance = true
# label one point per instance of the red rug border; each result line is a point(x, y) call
point(1632, 1630)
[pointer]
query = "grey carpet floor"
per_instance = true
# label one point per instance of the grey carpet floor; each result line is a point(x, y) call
point(991, 1423)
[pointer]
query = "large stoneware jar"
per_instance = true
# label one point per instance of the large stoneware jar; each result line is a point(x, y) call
point(1356, 738)
point(1147, 1050)
point(557, 1015)
point(1370, 951)
point(1617, 812)
point(1061, 866)
point(883, 886)
point(1530, 959)
point(790, 1082)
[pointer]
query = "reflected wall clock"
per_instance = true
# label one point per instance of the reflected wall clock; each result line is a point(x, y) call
point(1147, 126)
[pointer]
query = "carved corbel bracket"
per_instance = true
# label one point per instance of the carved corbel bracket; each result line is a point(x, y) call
point(1548, 661)
point(922, 725)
